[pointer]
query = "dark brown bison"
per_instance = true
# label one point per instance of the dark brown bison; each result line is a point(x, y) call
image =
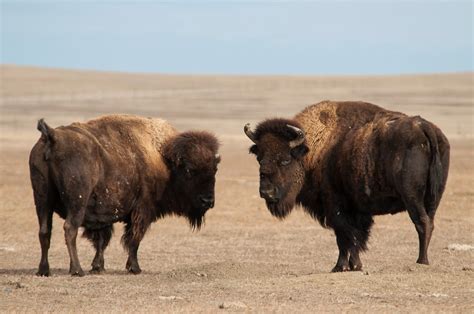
point(118, 168)
point(345, 162)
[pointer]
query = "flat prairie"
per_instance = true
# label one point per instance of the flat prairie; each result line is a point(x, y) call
point(243, 259)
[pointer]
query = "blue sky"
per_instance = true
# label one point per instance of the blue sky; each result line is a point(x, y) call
point(328, 37)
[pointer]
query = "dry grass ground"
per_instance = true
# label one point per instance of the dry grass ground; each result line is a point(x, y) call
point(243, 259)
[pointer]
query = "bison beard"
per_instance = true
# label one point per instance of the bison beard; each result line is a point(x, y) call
point(281, 209)
point(354, 160)
point(119, 168)
point(196, 219)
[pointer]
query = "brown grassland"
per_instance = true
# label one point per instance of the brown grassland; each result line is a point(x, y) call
point(243, 259)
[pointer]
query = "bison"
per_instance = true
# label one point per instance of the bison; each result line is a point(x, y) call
point(118, 168)
point(345, 162)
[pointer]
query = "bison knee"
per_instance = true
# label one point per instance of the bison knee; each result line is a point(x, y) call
point(67, 226)
point(44, 231)
point(70, 229)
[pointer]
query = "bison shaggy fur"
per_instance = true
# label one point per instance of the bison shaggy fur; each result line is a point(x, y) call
point(118, 168)
point(345, 162)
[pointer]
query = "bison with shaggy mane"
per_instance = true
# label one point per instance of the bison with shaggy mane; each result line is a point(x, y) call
point(345, 162)
point(118, 168)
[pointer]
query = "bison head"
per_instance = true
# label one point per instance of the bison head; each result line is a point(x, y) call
point(193, 158)
point(279, 147)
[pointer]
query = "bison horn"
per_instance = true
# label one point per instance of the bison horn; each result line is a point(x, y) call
point(249, 133)
point(299, 136)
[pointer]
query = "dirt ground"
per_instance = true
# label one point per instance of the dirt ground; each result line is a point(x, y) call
point(243, 259)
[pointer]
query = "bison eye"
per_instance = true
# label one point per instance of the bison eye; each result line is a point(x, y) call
point(285, 162)
point(189, 173)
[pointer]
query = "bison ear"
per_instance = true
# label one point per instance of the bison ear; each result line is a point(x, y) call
point(299, 151)
point(253, 149)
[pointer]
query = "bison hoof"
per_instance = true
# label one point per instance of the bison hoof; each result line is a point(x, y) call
point(133, 267)
point(423, 261)
point(134, 270)
point(356, 267)
point(77, 273)
point(340, 268)
point(43, 273)
point(97, 270)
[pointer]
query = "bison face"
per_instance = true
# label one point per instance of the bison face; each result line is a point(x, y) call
point(197, 181)
point(193, 159)
point(281, 168)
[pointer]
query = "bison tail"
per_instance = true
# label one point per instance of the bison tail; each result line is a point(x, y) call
point(435, 169)
point(48, 134)
point(46, 131)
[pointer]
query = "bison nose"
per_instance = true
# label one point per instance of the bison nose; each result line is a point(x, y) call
point(207, 201)
point(268, 194)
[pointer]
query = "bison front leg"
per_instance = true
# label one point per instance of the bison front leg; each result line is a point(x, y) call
point(100, 239)
point(132, 262)
point(133, 235)
point(361, 225)
point(342, 263)
point(355, 263)
point(348, 254)
point(352, 234)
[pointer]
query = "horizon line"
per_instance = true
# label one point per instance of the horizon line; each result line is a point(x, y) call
point(106, 71)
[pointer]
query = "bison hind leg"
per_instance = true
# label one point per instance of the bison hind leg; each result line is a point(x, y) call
point(100, 238)
point(424, 225)
point(75, 217)
point(413, 189)
point(45, 200)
